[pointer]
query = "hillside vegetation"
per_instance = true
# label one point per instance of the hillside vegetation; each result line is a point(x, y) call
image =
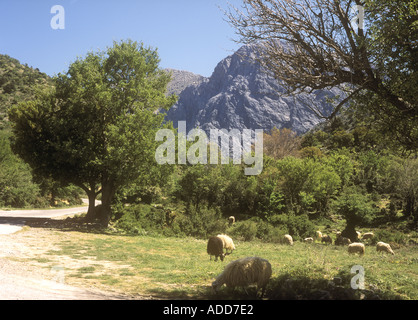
point(17, 83)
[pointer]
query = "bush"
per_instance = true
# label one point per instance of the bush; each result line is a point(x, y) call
point(298, 227)
point(389, 236)
point(244, 229)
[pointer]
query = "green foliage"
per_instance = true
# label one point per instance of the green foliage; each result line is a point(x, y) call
point(96, 127)
point(16, 186)
point(17, 83)
point(247, 230)
point(355, 206)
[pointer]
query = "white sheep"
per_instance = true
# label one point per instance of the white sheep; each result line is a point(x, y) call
point(308, 240)
point(228, 244)
point(231, 220)
point(357, 247)
point(287, 239)
point(244, 272)
point(368, 236)
point(318, 235)
point(385, 247)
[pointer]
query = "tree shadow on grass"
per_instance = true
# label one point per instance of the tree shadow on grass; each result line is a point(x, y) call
point(287, 287)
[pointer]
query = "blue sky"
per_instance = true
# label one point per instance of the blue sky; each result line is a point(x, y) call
point(189, 34)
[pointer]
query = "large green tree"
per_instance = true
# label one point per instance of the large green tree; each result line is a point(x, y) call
point(96, 127)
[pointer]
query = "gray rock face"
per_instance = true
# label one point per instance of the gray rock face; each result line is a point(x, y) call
point(241, 95)
point(182, 79)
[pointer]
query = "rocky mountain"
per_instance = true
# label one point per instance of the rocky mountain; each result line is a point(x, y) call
point(241, 95)
point(182, 79)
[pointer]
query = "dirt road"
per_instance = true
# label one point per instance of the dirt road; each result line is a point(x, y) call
point(19, 280)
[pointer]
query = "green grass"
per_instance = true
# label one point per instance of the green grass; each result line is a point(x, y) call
point(180, 268)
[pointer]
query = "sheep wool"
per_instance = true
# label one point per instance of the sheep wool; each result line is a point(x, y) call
point(308, 240)
point(368, 235)
point(228, 244)
point(287, 238)
point(215, 248)
point(357, 247)
point(244, 272)
point(384, 247)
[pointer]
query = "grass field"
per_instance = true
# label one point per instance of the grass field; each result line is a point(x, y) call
point(172, 268)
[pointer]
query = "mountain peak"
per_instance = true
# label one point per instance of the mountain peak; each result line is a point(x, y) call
point(240, 94)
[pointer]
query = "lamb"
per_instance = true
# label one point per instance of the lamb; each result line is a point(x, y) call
point(326, 238)
point(357, 247)
point(308, 240)
point(385, 247)
point(231, 220)
point(318, 234)
point(287, 239)
point(215, 248)
point(228, 244)
point(368, 236)
point(244, 272)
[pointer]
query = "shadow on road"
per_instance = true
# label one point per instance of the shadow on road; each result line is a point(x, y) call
point(68, 224)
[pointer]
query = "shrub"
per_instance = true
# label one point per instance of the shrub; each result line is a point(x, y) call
point(245, 229)
point(389, 236)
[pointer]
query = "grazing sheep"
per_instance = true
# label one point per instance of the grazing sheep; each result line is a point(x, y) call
point(326, 238)
point(308, 240)
point(358, 234)
point(318, 235)
point(215, 248)
point(342, 241)
point(287, 239)
point(357, 247)
point(231, 220)
point(228, 244)
point(385, 247)
point(368, 236)
point(244, 272)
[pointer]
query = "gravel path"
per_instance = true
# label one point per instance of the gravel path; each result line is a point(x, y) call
point(20, 280)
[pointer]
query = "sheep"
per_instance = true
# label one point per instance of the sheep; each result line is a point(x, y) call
point(215, 248)
point(368, 236)
point(287, 239)
point(357, 247)
point(385, 247)
point(318, 235)
point(308, 240)
point(228, 244)
point(244, 272)
point(342, 241)
point(231, 220)
point(326, 238)
point(358, 234)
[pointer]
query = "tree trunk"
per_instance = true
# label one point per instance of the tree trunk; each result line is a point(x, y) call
point(350, 232)
point(91, 212)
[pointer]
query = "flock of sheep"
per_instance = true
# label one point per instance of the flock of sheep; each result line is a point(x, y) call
point(255, 270)
point(355, 247)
